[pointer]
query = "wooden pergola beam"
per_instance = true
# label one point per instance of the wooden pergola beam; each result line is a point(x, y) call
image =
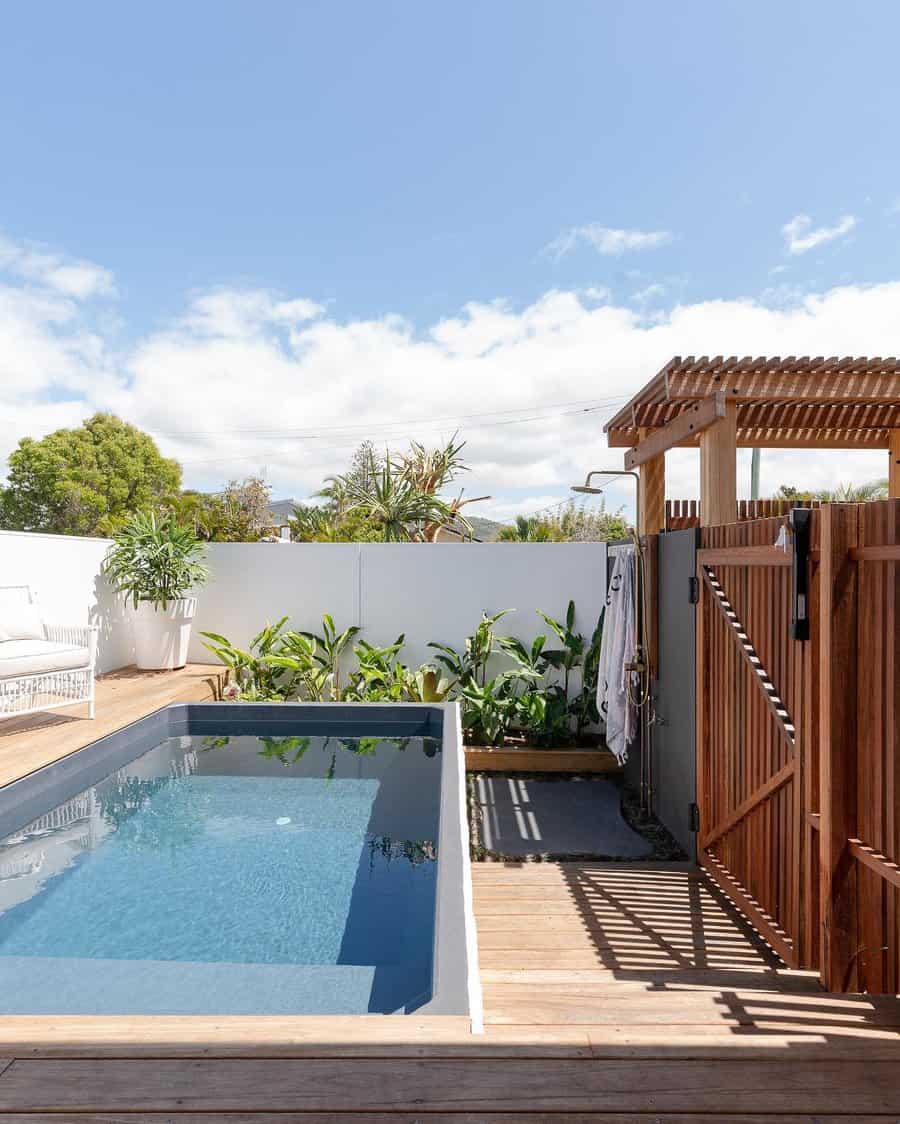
point(894, 464)
point(684, 426)
point(651, 493)
point(718, 469)
point(761, 438)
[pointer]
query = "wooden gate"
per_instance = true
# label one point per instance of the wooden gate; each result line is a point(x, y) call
point(756, 770)
point(798, 741)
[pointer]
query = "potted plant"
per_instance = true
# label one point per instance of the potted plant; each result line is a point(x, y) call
point(156, 563)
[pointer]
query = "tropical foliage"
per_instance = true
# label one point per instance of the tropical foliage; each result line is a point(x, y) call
point(843, 493)
point(238, 514)
point(395, 497)
point(543, 693)
point(570, 522)
point(155, 559)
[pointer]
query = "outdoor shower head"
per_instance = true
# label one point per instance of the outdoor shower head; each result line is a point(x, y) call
point(589, 490)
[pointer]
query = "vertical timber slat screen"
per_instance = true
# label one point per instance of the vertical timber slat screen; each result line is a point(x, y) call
point(681, 514)
point(798, 759)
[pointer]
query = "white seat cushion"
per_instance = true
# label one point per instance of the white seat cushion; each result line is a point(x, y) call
point(35, 657)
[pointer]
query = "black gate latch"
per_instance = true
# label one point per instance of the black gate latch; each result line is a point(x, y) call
point(800, 526)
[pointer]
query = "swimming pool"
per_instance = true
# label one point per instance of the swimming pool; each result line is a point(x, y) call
point(234, 859)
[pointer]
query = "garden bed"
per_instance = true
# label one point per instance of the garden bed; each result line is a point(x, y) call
point(512, 758)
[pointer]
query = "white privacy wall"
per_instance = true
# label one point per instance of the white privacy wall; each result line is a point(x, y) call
point(429, 591)
point(64, 572)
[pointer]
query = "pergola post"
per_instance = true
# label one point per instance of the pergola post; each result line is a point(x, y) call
point(652, 493)
point(894, 466)
point(718, 469)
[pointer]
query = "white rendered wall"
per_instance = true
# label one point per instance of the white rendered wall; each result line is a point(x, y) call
point(64, 571)
point(438, 591)
point(427, 591)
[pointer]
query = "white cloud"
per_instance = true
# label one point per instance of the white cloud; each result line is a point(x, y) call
point(650, 292)
point(246, 379)
point(606, 240)
point(80, 280)
point(800, 237)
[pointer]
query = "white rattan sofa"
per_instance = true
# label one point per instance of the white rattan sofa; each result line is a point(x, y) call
point(42, 666)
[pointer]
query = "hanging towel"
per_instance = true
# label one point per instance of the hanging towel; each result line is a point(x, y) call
point(616, 649)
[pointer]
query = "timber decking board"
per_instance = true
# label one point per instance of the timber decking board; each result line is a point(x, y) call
point(447, 1085)
point(613, 992)
point(123, 696)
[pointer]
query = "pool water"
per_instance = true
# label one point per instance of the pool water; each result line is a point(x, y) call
point(230, 875)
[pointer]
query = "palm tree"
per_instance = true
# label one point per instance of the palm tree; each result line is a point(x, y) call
point(856, 493)
point(311, 521)
point(528, 528)
point(431, 472)
point(391, 499)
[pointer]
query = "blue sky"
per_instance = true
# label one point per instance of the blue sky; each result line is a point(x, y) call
point(404, 166)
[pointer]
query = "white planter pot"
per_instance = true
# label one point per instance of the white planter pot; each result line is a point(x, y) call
point(161, 636)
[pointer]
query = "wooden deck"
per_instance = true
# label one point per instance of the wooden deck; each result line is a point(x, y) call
point(613, 992)
point(123, 696)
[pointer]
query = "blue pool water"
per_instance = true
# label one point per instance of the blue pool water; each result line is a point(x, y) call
point(230, 875)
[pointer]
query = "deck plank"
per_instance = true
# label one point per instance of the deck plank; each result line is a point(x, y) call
point(123, 696)
point(441, 1085)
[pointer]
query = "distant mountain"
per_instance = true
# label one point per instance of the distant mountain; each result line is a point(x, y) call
point(485, 530)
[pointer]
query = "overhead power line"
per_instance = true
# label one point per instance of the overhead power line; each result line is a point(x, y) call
point(317, 431)
point(368, 435)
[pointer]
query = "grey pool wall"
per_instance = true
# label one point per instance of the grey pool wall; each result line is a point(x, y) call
point(456, 988)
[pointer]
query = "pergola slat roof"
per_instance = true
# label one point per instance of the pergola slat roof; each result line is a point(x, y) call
point(722, 403)
point(833, 402)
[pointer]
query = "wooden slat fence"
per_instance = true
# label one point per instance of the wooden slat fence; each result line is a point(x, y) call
point(798, 760)
point(681, 514)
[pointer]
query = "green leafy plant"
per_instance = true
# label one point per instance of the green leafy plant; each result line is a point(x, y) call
point(567, 658)
point(427, 685)
point(531, 659)
point(261, 672)
point(330, 648)
point(489, 709)
point(380, 677)
point(155, 559)
point(529, 700)
point(584, 705)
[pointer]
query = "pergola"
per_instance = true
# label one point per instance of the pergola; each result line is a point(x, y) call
point(724, 404)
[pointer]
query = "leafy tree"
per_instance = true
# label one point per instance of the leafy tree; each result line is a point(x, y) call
point(529, 528)
point(394, 497)
point(843, 493)
point(570, 523)
point(580, 523)
point(86, 481)
point(322, 523)
point(239, 514)
point(392, 500)
point(432, 471)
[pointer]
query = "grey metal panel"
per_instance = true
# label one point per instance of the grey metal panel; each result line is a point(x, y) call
point(674, 763)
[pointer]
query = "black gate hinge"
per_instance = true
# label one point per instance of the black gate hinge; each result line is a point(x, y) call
point(694, 815)
point(693, 589)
